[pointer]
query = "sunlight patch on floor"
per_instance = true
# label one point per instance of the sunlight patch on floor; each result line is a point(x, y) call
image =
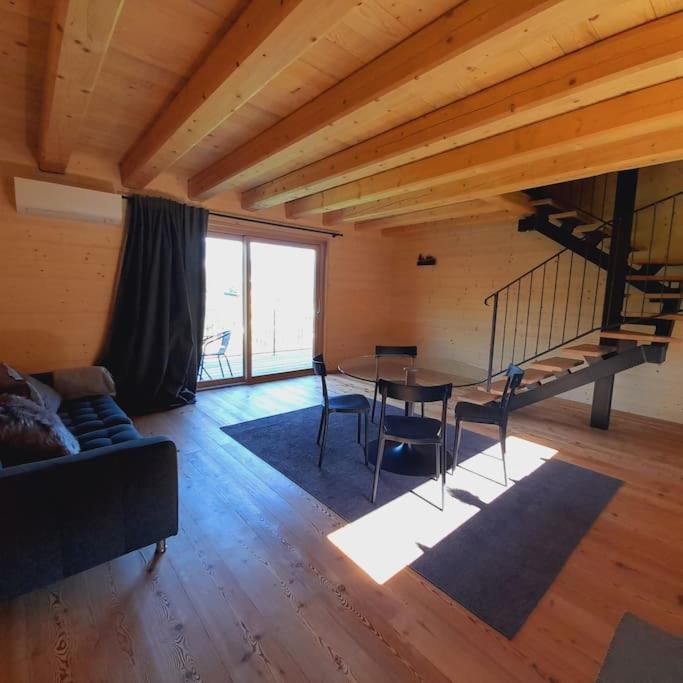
point(393, 536)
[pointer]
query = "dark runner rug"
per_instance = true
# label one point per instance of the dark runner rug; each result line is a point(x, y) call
point(500, 562)
point(640, 652)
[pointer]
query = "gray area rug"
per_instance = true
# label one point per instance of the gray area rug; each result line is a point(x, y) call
point(499, 563)
point(642, 653)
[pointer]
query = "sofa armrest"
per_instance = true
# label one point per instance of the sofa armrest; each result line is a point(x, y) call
point(61, 516)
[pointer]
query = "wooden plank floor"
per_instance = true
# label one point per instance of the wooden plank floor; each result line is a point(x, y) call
point(251, 589)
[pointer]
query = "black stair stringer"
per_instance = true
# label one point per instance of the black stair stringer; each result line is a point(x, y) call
point(540, 223)
point(611, 365)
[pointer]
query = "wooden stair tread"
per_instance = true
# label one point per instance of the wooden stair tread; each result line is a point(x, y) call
point(532, 376)
point(653, 296)
point(555, 364)
point(498, 387)
point(479, 396)
point(542, 202)
point(587, 351)
point(645, 260)
point(638, 336)
point(670, 316)
point(655, 278)
point(557, 218)
point(657, 297)
point(589, 227)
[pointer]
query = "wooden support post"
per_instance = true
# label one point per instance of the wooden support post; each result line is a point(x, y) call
point(615, 287)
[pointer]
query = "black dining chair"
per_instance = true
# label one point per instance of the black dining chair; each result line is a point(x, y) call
point(384, 351)
point(491, 413)
point(348, 403)
point(408, 429)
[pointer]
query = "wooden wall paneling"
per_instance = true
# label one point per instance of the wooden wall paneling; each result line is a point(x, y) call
point(442, 308)
point(621, 118)
point(635, 59)
point(80, 34)
point(58, 277)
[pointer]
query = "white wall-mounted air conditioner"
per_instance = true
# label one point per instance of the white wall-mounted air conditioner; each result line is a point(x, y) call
point(70, 203)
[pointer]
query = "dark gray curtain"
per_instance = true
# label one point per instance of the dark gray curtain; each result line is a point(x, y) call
point(156, 331)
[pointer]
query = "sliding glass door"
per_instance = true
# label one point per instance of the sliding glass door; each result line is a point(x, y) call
point(262, 308)
point(283, 307)
point(223, 345)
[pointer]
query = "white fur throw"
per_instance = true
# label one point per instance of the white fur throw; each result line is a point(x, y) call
point(29, 432)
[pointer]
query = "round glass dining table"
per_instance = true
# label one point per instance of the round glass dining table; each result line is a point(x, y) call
point(425, 371)
point(422, 370)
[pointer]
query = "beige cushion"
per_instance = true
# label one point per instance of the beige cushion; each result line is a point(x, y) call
point(79, 382)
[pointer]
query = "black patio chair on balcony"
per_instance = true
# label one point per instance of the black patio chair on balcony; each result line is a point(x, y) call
point(348, 403)
point(491, 413)
point(409, 352)
point(416, 431)
point(222, 340)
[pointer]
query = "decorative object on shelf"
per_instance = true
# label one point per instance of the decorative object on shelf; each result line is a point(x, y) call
point(426, 260)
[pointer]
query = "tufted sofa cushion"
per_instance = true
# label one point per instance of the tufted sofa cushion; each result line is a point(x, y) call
point(97, 421)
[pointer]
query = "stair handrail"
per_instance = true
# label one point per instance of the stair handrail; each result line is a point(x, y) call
point(542, 266)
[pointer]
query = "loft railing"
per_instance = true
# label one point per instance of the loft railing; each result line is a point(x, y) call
point(561, 299)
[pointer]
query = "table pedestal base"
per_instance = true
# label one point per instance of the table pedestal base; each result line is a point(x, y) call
point(417, 461)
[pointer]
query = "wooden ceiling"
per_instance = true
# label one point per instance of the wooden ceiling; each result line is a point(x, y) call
point(382, 113)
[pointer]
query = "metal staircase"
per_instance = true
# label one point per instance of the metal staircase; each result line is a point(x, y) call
point(620, 277)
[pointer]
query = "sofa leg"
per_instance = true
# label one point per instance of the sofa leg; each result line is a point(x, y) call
point(161, 547)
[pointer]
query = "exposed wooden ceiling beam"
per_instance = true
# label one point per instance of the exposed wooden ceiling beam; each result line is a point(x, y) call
point(471, 30)
point(657, 147)
point(501, 218)
point(477, 207)
point(621, 118)
point(265, 39)
point(80, 33)
point(422, 200)
point(431, 198)
point(516, 203)
point(643, 56)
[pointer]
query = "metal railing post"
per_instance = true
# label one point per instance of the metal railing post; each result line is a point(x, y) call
point(493, 341)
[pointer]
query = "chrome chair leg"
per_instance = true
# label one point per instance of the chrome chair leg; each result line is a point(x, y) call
point(358, 428)
point(365, 447)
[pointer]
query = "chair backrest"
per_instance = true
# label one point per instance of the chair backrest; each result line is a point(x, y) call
point(514, 375)
point(410, 351)
point(225, 340)
point(414, 393)
point(320, 370)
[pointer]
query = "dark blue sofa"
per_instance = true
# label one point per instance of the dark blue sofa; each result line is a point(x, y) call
point(62, 516)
